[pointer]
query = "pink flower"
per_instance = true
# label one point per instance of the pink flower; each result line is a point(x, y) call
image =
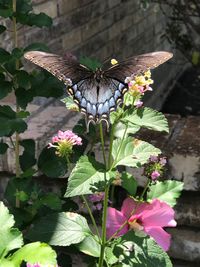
point(153, 158)
point(138, 103)
point(148, 217)
point(154, 175)
point(163, 161)
point(64, 142)
point(97, 197)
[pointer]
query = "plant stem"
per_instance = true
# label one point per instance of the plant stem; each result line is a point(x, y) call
point(111, 145)
point(15, 42)
point(103, 242)
point(91, 216)
point(105, 203)
point(103, 144)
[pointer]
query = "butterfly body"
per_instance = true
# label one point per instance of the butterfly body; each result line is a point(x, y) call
point(98, 92)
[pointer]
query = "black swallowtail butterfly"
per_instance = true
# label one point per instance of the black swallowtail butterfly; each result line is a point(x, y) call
point(98, 92)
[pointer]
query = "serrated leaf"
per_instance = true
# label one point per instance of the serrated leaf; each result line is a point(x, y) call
point(39, 20)
point(167, 191)
point(50, 164)
point(35, 253)
point(129, 183)
point(11, 238)
point(86, 173)
point(60, 229)
point(90, 246)
point(136, 251)
point(148, 118)
point(23, 79)
point(132, 152)
point(121, 128)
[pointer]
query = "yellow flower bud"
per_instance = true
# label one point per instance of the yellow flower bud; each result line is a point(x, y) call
point(114, 61)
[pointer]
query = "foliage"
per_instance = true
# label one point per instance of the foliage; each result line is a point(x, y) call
point(11, 239)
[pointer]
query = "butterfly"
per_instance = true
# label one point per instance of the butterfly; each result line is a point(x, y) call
point(99, 92)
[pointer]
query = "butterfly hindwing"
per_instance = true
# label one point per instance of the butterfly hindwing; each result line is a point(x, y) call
point(97, 99)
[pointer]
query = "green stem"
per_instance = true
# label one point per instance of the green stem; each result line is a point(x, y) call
point(103, 242)
point(103, 144)
point(17, 138)
point(120, 146)
point(105, 202)
point(111, 145)
point(91, 216)
point(132, 212)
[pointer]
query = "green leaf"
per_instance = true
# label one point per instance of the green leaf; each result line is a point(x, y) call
point(27, 159)
point(6, 263)
point(5, 88)
point(60, 229)
point(86, 173)
point(90, 246)
point(37, 47)
point(9, 123)
point(136, 251)
point(147, 117)
point(132, 152)
point(129, 183)
point(6, 12)
point(167, 191)
point(52, 201)
point(50, 164)
point(4, 55)
point(3, 148)
point(11, 238)
point(39, 20)
point(2, 29)
point(70, 104)
point(121, 128)
point(35, 253)
point(91, 63)
point(24, 96)
point(23, 79)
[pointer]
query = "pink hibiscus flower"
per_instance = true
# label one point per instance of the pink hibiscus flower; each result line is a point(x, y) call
point(148, 217)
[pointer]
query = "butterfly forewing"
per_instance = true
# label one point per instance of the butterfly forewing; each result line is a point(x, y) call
point(58, 66)
point(137, 64)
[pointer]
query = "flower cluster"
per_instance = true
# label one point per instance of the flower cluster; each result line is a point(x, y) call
point(154, 169)
point(147, 217)
point(96, 200)
point(64, 142)
point(138, 85)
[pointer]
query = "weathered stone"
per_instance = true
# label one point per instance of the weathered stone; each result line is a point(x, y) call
point(185, 244)
point(48, 7)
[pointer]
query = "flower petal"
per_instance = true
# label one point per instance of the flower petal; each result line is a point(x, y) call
point(130, 204)
point(160, 214)
point(115, 219)
point(161, 237)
